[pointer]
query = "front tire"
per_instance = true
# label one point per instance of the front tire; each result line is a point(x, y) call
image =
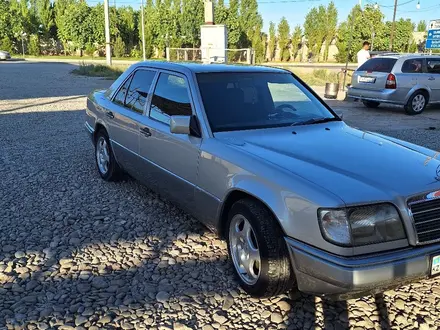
point(106, 163)
point(416, 103)
point(371, 104)
point(258, 251)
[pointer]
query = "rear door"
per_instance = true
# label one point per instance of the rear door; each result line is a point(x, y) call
point(127, 111)
point(411, 74)
point(373, 73)
point(433, 77)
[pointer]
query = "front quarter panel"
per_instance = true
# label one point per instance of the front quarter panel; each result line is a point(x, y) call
point(293, 200)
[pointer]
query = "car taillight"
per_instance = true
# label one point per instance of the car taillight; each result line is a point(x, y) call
point(391, 82)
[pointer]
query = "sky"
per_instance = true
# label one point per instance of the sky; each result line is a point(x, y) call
point(296, 10)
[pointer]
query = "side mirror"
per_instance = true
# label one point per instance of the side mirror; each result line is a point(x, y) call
point(340, 115)
point(180, 124)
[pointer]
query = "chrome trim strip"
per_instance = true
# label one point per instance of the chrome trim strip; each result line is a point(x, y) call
point(421, 212)
point(89, 128)
point(167, 171)
point(427, 221)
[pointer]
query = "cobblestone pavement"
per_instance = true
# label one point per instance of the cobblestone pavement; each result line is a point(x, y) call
point(77, 252)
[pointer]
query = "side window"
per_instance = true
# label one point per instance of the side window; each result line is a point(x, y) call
point(122, 93)
point(138, 91)
point(433, 66)
point(170, 98)
point(413, 66)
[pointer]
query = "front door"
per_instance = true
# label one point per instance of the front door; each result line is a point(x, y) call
point(127, 111)
point(174, 157)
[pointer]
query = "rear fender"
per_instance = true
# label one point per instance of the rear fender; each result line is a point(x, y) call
point(417, 88)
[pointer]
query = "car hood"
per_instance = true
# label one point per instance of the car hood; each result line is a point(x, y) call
point(357, 166)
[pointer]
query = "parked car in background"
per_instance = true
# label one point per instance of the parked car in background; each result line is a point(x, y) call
point(303, 200)
point(409, 80)
point(4, 55)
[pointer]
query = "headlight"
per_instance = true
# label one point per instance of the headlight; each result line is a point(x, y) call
point(361, 225)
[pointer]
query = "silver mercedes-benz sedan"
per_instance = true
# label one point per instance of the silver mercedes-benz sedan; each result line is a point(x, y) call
point(304, 200)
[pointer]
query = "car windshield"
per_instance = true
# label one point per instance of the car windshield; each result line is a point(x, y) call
point(239, 101)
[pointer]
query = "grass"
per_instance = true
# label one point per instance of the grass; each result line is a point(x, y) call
point(99, 70)
point(317, 77)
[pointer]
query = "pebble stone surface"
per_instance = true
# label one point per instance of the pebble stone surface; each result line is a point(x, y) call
point(79, 253)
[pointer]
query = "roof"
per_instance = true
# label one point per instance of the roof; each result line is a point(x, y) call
point(204, 68)
point(408, 55)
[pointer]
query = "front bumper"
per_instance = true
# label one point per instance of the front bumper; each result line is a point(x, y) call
point(391, 96)
point(324, 274)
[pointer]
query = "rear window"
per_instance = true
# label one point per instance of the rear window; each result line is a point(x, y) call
point(378, 65)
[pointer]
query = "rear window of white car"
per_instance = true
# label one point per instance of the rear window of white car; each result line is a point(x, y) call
point(378, 64)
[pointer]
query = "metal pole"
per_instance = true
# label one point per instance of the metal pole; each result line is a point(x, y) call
point(108, 50)
point(143, 29)
point(348, 50)
point(394, 26)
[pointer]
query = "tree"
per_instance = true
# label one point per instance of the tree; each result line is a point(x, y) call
point(315, 29)
point(421, 26)
point(233, 24)
point(220, 12)
point(127, 26)
point(192, 18)
point(249, 21)
point(296, 41)
point(60, 9)
point(330, 25)
point(272, 41)
point(45, 16)
point(119, 48)
point(283, 39)
point(80, 34)
point(363, 26)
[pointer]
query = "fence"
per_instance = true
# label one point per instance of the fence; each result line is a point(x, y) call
point(210, 55)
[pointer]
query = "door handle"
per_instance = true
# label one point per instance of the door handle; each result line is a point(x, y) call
point(110, 114)
point(431, 78)
point(145, 131)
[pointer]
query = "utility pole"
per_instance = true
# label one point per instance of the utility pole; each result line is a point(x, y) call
point(394, 26)
point(143, 29)
point(108, 49)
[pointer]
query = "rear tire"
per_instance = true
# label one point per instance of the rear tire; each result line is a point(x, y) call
point(416, 103)
point(258, 251)
point(371, 104)
point(108, 168)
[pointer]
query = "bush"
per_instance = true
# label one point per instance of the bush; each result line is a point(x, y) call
point(136, 52)
point(89, 50)
point(6, 45)
point(119, 47)
point(34, 45)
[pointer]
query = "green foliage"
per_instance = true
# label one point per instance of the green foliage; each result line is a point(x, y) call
point(119, 47)
point(330, 25)
point(272, 41)
point(34, 45)
point(421, 26)
point(233, 24)
point(90, 50)
point(283, 39)
point(296, 41)
point(6, 44)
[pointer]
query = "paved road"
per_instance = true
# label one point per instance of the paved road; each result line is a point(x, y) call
point(77, 252)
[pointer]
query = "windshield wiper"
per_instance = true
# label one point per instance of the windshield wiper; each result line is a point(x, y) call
point(315, 121)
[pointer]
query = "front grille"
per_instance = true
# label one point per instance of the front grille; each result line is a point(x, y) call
point(426, 215)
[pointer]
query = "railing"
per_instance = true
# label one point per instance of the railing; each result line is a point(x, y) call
point(211, 55)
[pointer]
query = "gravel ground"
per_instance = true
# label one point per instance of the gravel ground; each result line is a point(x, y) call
point(77, 252)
